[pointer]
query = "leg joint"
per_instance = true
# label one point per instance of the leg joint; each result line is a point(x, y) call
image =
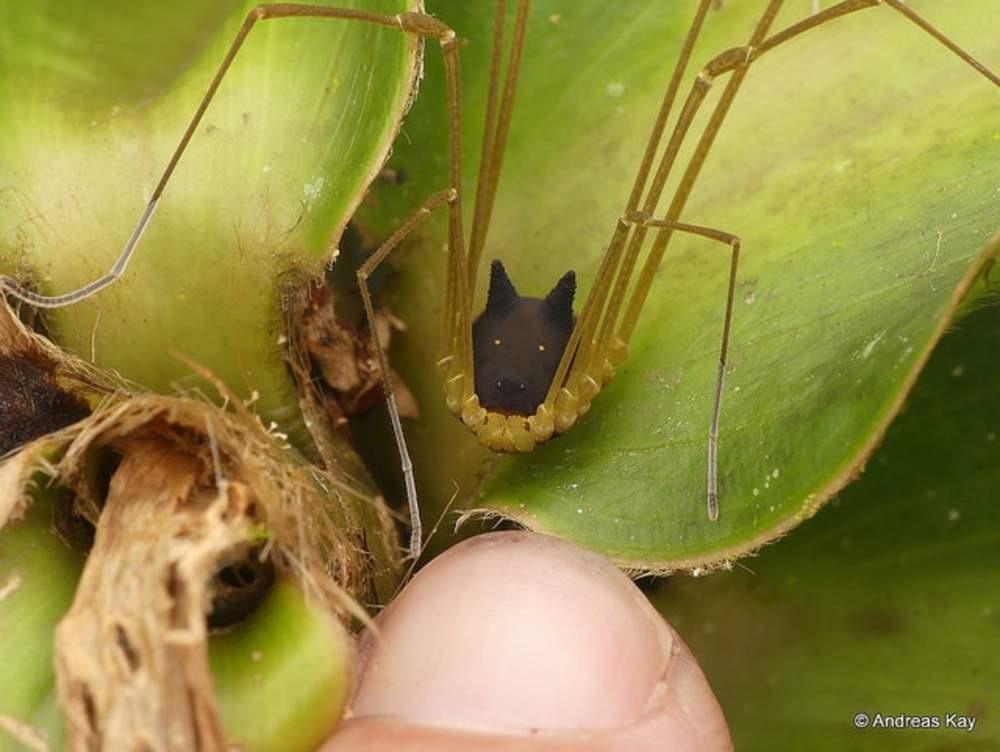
point(726, 61)
point(641, 218)
point(635, 217)
point(428, 26)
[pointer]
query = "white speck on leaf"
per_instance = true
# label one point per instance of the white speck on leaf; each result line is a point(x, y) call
point(313, 191)
point(615, 89)
point(867, 350)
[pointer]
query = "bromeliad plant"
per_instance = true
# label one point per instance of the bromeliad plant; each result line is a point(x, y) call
point(855, 166)
point(270, 528)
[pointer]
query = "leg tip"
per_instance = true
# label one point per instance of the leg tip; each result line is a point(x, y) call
point(713, 507)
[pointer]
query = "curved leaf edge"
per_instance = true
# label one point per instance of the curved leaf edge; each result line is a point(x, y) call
point(415, 52)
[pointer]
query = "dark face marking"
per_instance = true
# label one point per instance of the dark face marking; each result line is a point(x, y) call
point(517, 343)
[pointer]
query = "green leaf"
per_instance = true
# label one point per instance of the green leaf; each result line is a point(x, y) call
point(282, 674)
point(886, 602)
point(94, 99)
point(858, 165)
point(40, 573)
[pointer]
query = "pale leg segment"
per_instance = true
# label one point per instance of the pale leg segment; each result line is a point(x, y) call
point(713, 430)
point(437, 200)
point(499, 109)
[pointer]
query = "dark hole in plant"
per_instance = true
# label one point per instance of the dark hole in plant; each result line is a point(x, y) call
point(355, 248)
point(239, 588)
point(240, 575)
point(73, 528)
point(103, 464)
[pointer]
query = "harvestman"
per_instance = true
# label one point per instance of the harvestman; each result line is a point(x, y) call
point(526, 368)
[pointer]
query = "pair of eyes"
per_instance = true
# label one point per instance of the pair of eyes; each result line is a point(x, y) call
point(497, 342)
point(520, 387)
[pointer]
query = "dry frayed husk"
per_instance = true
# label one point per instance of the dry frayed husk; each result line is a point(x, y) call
point(332, 443)
point(345, 356)
point(72, 373)
point(196, 487)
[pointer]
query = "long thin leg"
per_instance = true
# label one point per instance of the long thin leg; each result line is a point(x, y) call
point(593, 349)
point(496, 128)
point(478, 237)
point(449, 197)
point(416, 23)
point(457, 307)
point(713, 430)
point(592, 309)
point(738, 61)
point(731, 60)
point(843, 8)
point(592, 341)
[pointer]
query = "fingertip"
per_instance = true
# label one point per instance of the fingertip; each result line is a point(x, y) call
point(527, 636)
